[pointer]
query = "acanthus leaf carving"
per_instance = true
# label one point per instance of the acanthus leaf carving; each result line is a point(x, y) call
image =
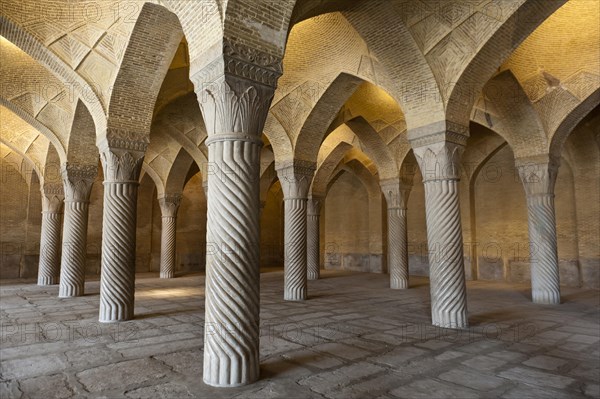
point(52, 197)
point(235, 107)
point(78, 180)
point(120, 165)
point(169, 204)
point(396, 193)
point(439, 161)
point(295, 178)
point(538, 175)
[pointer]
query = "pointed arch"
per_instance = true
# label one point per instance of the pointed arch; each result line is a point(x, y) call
point(152, 45)
point(492, 54)
point(81, 148)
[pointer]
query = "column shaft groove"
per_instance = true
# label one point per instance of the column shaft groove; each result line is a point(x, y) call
point(397, 248)
point(444, 237)
point(545, 279)
point(49, 266)
point(117, 284)
point(295, 285)
point(167, 247)
point(313, 249)
point(72, 276)
point(231, 334)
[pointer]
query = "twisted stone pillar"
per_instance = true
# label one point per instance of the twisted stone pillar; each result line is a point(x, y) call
point(169, 204)
point(439, 166)
point(539, 178)
point(235, 105)
point(78, 180)
point(122, 162)
point(396, 195)
point(313, 245)
point(295, 180)
point(52, 211)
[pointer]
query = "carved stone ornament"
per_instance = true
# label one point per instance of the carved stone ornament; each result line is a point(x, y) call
point(295, 178)
point(78, 181)
point(169, 204)
point(439, 161)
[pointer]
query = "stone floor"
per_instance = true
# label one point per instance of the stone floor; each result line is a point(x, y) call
point(354, 338)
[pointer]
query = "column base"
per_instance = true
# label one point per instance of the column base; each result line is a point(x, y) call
point(70, 292)
point(450, 320)
point(108, 316)
point(399, 284)
point(230, 372)
point(47, 281)
point(312, 276)
point(167, 275)
point(546, 297)
point(294, 296)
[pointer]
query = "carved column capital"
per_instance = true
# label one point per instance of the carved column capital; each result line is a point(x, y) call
point(235, 90)
point(52, 197)
point(78, 181)
point(538, 175)
point(169, 204)
point(295, 178)
point(314, 206)
point(396, 192)
point(440, 160)
point(122, 155)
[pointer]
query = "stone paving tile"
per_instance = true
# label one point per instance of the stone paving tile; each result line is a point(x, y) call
point(584, 339)
point(545, 362)
point(534, 377)
point(185, 362)
point(119, 375)
point(41, 387)
point(472, 379)
point(399, 357)
point(367, 389)
point(483, 362)
point(592, 390)
point(522, 391)
point(314, 359)
point(449, 355)
point(332, 380)
point(167, 390)
point(341, 350)
point(353, 338)
point(432, 389)
point(32, 366)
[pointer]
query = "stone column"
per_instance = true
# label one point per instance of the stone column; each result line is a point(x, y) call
point(539, 177)
point(78, 180)
point(295, 180)
point(313, 235)
point(439, 164)
point(396, 195)
point(122, 163)
point(52, 210)
point(169, 204)
point(234, 95)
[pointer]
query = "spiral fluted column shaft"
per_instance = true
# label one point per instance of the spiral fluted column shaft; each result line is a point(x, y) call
point(538, 174)
point(397, 248)
point(167, 247)
point(444, 237)
point(231, 333)
point(72, 275)
point(295, 267)
point(117, 283)
point(545, 280)
point(49, 266)
point(313, 250)
point(439, 164)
